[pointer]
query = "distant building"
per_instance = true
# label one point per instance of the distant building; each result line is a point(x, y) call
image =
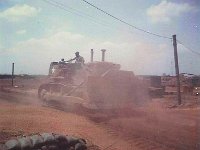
point(187, 82)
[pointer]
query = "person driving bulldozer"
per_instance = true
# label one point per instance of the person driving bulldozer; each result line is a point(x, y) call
point(78, 59)
point(62, 61)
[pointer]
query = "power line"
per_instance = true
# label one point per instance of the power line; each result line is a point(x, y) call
point(61, 6)
point(81, 14)
point(74, 11)
point(125, 21)
point(188, 48)
point(77, 12)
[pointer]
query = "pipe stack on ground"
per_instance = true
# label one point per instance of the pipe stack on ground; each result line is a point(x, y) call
point(45, 141)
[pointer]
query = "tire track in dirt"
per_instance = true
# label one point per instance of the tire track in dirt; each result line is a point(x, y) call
point(19, 98)
point(183, 138)
point(142, 143)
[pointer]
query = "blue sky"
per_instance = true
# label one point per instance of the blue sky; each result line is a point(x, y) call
point(36, 32)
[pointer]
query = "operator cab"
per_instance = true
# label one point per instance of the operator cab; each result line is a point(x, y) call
point(62, 69)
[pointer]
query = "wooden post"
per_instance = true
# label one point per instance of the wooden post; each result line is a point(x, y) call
point(13, 69)
point(177, 70)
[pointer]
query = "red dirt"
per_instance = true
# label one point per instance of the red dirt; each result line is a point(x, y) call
point(137, 128)
point(34, 119)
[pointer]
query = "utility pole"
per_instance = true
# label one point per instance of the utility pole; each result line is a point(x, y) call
point(177, 70)
point(13, 69)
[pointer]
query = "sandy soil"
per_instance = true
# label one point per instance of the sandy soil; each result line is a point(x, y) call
point(158, 128)
point(24, 119)
point(151, 127)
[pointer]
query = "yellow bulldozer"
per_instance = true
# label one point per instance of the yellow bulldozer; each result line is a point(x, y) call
point(100, 84)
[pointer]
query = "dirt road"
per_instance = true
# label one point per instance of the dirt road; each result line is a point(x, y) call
point(177, 129)
point(147, 128)
point(21, 115)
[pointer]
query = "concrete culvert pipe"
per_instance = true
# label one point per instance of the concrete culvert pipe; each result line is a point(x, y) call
point(45, 141)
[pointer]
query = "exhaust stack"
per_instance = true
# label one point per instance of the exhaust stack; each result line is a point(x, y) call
point(103, 54)
point(92, 55)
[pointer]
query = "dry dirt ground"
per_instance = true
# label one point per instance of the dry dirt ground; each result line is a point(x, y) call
point(152, 127)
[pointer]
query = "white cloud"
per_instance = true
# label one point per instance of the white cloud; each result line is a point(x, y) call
point(166, 11)
point(35, 55)
point(19, 12)
point(57, 41)
point(21, 31)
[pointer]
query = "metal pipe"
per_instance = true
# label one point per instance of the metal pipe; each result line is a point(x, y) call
point(92, 55)
point(103, 54)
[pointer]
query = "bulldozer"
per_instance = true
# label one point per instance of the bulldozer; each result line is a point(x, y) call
point(100, 84)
